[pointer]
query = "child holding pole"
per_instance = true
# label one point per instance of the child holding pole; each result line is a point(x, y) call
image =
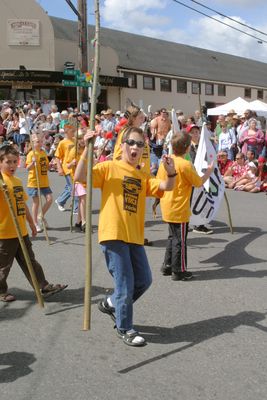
point(124, 189)
point(175, 207)
point(9, 243)
point(38, 157)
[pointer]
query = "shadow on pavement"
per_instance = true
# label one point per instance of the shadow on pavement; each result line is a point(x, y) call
point(233, 255)
point(17, 365)
point(68, 299)
point(195, 333)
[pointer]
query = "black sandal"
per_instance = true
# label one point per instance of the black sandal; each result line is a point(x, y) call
point(51, 289)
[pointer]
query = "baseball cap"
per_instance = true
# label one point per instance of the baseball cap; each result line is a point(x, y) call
point(190, 127)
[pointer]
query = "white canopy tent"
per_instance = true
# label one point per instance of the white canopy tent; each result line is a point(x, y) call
point(239, 105)
point(260, 107)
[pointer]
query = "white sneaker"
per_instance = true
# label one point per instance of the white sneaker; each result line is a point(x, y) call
point(38, 228)
point(60, 208)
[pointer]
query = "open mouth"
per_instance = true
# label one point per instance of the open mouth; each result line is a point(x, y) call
point(133, 154)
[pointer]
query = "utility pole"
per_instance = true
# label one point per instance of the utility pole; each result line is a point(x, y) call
point(81, 12)
point(83, 46)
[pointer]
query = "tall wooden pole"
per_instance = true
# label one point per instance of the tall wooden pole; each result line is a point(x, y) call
point(88, 235)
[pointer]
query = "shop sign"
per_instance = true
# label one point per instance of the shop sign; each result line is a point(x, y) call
point(23, 32)
point(21, 85)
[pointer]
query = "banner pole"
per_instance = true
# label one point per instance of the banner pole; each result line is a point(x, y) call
point(229, 213)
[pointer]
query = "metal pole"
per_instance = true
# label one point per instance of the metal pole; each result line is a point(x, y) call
point(83, 47)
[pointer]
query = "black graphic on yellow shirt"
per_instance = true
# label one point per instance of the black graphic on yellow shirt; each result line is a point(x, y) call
point(20, 204)
point(145, 154)
point(43, 165)
point(131, 189)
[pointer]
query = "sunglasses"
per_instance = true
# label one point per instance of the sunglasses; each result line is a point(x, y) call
point(132, 142)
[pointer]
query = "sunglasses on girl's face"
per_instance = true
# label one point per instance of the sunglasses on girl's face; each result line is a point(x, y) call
point(132, 142)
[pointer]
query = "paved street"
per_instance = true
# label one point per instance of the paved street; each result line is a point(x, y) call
point(207, 338)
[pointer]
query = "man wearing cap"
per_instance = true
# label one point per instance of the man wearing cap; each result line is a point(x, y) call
point(109, 122)
point(108, 125)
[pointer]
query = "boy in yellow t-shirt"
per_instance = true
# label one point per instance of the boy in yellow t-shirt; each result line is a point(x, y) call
point(175, 207)
point(38, 156)
point(9, 243)
point(61, 155)
point(124, 189)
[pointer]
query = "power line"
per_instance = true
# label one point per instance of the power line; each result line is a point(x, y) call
point(221, 22)
point(231, 19)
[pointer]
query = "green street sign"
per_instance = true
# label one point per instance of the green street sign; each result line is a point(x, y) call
point(72, 72)
point(75, 83)
point(70, 83)
point(84, 84)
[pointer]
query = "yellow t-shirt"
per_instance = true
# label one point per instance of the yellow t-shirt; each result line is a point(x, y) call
point(18, 198)
point(42, 163)
point(144, 160)
point(71, 157)
point(175, 205)
point(124, 190)
point(62, 151)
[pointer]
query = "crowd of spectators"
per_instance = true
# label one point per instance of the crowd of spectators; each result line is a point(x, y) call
point(240, 140)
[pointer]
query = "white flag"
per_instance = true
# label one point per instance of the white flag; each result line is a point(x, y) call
point(206, 199)
point(175, 129)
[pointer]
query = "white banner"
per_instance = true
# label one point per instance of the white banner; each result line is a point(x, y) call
point(206, 199)
point(175, 129)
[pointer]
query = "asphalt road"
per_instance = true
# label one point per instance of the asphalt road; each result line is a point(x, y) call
point(207, 338)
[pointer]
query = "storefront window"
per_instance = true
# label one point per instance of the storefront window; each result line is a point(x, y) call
point(149, 82)
point(165, 85)
point(221, 90)
point(5, 94)
point(196, 88)
point(181, 86)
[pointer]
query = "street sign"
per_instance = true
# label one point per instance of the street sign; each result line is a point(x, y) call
point(72, 72)
point(69, 83)
point(75, 83)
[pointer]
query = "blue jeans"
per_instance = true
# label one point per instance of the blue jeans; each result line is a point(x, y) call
point(128, 265)
point(66, 194)
point(154, 163)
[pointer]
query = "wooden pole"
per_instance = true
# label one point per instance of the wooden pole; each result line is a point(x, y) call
point(88, 233)
point(35, 284)
point(37, 179)
point(229, 213)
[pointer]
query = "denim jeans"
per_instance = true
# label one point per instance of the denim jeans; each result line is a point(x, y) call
point(154, 163)
point(66, 194)
point(128, 265)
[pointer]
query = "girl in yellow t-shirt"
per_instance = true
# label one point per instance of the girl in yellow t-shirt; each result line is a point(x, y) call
point(39, 158)
point(124, 188)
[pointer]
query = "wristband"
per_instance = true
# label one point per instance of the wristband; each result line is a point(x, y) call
point(172, 175)
point(83, 159)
